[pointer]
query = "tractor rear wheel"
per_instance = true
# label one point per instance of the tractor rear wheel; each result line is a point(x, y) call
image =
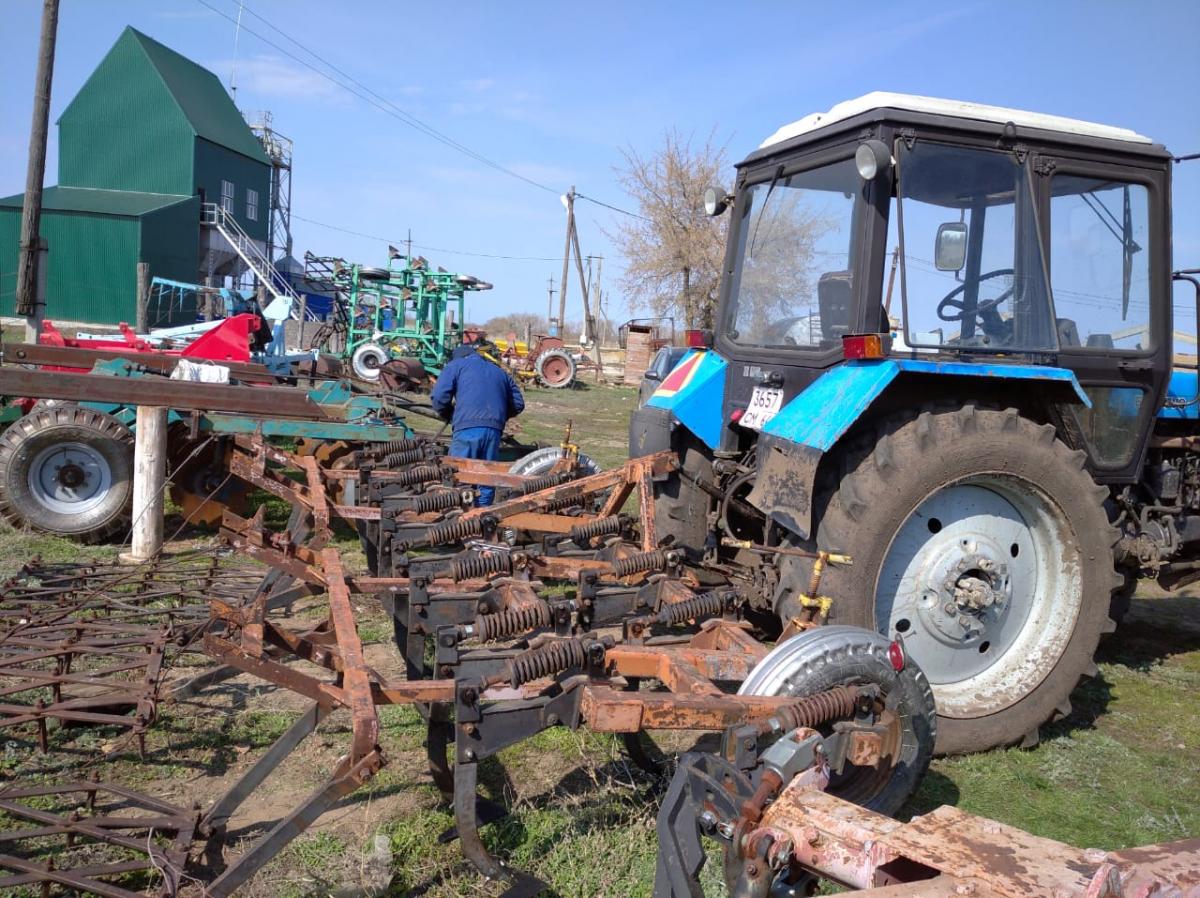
point(555, 369)
point(978, 539)
point(67, 470)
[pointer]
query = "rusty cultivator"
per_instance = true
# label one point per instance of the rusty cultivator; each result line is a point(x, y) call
point(556, 606)
point(548, 608)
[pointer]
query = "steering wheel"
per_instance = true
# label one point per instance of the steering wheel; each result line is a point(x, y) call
point(949, 302)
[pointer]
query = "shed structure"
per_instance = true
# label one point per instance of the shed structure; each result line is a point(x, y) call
point(148, 139)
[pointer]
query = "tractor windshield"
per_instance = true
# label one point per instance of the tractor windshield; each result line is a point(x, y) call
point(963, 233)
point(791, 282)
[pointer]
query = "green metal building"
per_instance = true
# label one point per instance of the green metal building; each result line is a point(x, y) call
point(150, 136)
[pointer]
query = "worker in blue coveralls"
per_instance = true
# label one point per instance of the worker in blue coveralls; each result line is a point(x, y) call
point(477, 397)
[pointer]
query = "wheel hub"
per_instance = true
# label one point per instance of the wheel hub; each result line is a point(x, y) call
point(70, 478)
point(71, 475)
point(965, 589)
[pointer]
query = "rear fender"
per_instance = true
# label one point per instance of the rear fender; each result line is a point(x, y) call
point(794, 442)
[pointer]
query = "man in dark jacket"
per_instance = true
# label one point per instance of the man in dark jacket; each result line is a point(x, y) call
point(477, 397)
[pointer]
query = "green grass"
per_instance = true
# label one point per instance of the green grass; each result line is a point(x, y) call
point(1119, 771)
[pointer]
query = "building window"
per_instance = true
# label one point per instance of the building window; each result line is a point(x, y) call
point(227, 196)
point(252, 205)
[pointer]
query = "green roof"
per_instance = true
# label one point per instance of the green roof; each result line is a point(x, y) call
point(200, 97)
point(102, 202)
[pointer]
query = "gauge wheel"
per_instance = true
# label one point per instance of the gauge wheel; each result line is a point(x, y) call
point(555, 369)
point(819, 659)
point(542, 461)
point(368, 360)
point(979, 539)
point(67, 470)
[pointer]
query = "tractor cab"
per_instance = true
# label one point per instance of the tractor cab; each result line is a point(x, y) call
point(977, 235)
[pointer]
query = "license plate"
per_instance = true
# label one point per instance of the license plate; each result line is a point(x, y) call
point(765, 402)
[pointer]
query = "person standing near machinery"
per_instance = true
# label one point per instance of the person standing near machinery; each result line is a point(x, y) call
point(476, 396)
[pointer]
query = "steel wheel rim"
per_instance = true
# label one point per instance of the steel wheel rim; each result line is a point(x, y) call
point(981, 585)
point(70, 478)
point(555, 370)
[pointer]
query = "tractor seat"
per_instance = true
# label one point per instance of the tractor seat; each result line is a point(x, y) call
point(833, 299)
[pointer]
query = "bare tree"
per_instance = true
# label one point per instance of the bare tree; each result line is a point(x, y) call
point(673, 252)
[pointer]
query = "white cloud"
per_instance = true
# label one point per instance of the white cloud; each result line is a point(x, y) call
point(273, 77)
point(478, 85)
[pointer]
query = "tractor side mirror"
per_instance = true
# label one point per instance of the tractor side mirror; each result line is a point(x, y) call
point(950, 249)
point(651, 374)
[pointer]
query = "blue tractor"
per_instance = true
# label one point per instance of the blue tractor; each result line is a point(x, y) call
point(942, 365)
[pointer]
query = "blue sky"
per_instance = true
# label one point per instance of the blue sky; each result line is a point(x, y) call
point(554, 90)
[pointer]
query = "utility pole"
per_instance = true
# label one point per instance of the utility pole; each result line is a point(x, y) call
point(550, 306)
point(568, 200)
point(589, 321)
point(409, 242)
point(598, 295)
point(29, 300)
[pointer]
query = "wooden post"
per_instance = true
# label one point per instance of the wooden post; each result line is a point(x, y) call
point(28, 279)
point(589, 323)
point(149, 481)
point(143, 298)
point(33, 322)
point(569, 200)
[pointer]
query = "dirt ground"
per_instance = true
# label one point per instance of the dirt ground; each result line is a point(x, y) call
point(1119, 771)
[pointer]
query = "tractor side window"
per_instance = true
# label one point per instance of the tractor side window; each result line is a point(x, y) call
point(1110, 425)
point(1100, 262)
point(963, 230)
point(792, 283)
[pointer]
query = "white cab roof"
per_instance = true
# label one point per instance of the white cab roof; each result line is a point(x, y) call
point(884, 99)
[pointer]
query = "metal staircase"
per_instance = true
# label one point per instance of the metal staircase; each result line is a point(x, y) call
point(285, 302)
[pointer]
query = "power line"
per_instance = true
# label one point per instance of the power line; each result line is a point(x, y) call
point(580, 196)
point(434, 249)
point(371, 97)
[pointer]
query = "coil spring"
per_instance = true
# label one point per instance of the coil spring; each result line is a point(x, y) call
point(419, 474)
point(545, 482)
point(439, 501)
point(560, 502)
point(452, 531)
point(515, 622)
point(392, 446)
point(654, 560)
point(545, 661)
point(403, 457)
point(471, 567)
point(581, 533)
point(814, 710)
point(706, 605)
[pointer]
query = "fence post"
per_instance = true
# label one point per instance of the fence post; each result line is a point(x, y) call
point(149, 480)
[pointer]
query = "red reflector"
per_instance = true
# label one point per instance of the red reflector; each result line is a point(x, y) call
point(696, 339)
point(863, 346)
point(737, 415)
point(896, 656)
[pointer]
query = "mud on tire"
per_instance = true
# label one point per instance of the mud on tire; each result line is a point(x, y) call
point(924, 503)
point(67, 470)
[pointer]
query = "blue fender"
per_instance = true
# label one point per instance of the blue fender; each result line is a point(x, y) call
point(694, 392)
point(793, 442)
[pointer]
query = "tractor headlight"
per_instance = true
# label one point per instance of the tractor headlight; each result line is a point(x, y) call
point(872, 159)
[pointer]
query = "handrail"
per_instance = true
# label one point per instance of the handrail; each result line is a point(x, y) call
point(286, 302)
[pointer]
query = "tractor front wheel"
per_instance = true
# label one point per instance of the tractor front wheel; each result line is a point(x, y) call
point(67, 470)
point(978, 540)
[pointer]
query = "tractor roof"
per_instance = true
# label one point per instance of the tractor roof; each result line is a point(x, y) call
point(951, 108)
